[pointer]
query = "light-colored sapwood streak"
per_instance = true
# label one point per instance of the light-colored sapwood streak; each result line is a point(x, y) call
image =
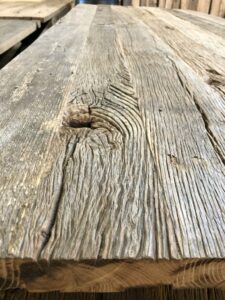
point(112, 154)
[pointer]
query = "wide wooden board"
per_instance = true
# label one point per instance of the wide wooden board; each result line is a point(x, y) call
point(44, 10)
point(14, 31)
point(112, 155)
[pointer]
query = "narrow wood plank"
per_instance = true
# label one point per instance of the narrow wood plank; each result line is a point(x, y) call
point(189, 4)
point(162, 3)
point(169, 4)
point(135, 3)
point(204, 5)
point(193, 4)
point(222, 9)
point(46, 67)
point(43, 11)
point(176, 4)
point(215, 7)
point(14, 31)
point(185, 4)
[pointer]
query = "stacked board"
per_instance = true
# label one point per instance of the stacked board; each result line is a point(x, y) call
point(14, 31)
point(112, 154)
point(36, 10)
point(18, 19)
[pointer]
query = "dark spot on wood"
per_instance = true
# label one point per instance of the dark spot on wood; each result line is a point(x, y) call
point(213, 81)
point(173, 159)
point(45, 234)
point(212, 71)
point(169, 27)
point(77, 116)
point(5, 283)
point(160, 110)
point(30, 271)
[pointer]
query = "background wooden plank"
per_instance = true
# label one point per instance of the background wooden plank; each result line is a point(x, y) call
point(222, 9)
point(204, 5)
point(14, 31)
point(215, 7)
point(162, 3)
point(169, 4)
point(43, 11)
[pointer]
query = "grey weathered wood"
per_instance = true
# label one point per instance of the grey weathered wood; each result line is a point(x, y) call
point(207, 24)
point(112, 155)
point(14, 31)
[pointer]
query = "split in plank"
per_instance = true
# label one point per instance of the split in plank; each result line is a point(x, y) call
point(112, 156)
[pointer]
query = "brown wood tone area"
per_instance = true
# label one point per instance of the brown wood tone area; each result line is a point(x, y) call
point(112, 154)
point(154, 293)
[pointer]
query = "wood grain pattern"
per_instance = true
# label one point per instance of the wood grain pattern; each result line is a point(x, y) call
point(43, 11)
point(113, 155)
point(14, 31)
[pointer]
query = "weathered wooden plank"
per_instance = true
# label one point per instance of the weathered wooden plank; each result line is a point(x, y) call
point(169, 4)
point(43, 11)
point(189, 4)
point(205, 23)
point(162, 3)
point(222, 9)
point(209, 18)
point(14, 31)
point(135, 3)
point(215, 7)
point(178, 34)
point(204, 5)
point(112, 156)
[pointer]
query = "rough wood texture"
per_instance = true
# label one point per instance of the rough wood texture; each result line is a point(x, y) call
point(113, 155)
point(38, 10)
point(14, 31)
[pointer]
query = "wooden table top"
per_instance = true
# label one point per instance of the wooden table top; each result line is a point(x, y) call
point(112, 153)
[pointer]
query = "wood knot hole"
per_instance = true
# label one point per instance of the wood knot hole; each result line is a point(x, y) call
point(77, 116)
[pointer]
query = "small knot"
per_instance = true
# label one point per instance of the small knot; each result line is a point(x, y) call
point(77, 116)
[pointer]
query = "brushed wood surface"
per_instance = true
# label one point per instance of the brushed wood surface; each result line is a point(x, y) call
point(112, 154)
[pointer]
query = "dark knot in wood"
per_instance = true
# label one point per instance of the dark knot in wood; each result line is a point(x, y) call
point(77, 116)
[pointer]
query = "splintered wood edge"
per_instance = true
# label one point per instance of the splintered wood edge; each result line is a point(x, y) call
point(110, 275)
